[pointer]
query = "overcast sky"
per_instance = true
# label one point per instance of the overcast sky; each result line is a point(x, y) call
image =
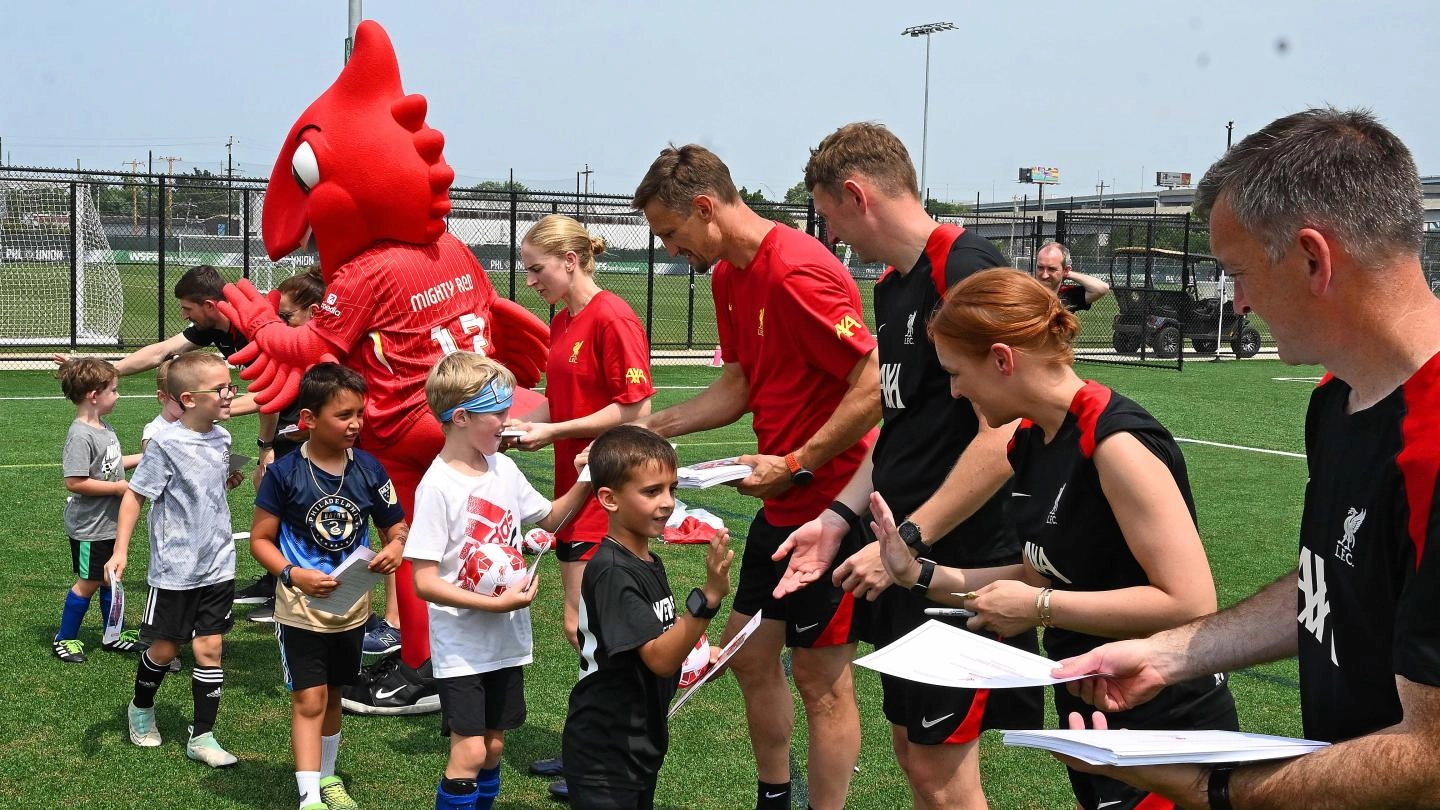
point(1103, 90)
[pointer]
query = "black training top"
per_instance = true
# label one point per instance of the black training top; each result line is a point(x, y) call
point(1368, 606)
point(1072, 296)
point(616, 734)
point(228, 341)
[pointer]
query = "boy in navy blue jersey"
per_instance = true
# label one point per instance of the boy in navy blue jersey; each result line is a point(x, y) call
point(632, 638)
point(311, 514)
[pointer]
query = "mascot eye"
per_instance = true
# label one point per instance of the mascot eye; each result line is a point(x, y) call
point(304, 167)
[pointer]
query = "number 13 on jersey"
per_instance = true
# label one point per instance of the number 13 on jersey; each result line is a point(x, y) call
point(463, 327)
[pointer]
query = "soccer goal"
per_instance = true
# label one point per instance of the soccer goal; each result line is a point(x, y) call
point(36, 245)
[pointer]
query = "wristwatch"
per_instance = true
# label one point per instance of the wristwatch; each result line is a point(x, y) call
point(285, 576)
point(699, 606)
point(1217, 787)
point(264, 444)
point(922, 582)
point(910, 533)
point(799, 476)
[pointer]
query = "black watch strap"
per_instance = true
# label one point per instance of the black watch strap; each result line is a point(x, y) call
point(922, 582)
point(1217, 787)
point(285, 576)
point(265, 444)
point(845, 512)
point(699, 606)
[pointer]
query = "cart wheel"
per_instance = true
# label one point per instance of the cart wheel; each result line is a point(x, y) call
point(1204, 345)
point(1126, 343)
point(1247, 343)
point(1167, 342)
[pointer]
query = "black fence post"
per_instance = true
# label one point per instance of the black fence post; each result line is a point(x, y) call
point(690, 311)
point(160, 260)
point(810, 216)
point(1061, 234)
point(245, 232)
point(650, 291)
point(75, 248)
point(514, 229)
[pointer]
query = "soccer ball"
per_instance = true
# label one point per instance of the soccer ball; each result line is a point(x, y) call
point(537, 541)
point(490, 568)
point(697, 663)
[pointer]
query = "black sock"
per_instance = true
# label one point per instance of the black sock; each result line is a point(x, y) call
point(458, 787)
point(205, 685)
point(774, 796)
point(148, 677)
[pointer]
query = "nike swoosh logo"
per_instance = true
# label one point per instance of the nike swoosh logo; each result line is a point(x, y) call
point(770, 795)
point(1103, 805)
point(800, 629)
point(383, 694)
point(928, 723)
point(1019, 494)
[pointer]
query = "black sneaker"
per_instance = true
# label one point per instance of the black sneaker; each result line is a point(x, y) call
point(548, 767)
point(559, 791)
point(263, 613)
point(257, 592)
point(391, 688)
point(69, 650)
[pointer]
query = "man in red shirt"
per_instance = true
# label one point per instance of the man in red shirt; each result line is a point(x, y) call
point(798, 357)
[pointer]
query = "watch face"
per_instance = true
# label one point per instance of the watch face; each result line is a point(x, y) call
point(910, 533)
point(802, 477)
point(696, 603)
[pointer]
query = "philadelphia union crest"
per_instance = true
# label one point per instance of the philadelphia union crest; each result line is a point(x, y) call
point(334, 522)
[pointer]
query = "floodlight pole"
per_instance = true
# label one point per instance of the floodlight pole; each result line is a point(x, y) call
point(916, 31)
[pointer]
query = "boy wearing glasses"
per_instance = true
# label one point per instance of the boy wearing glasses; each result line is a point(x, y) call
point(185, 472)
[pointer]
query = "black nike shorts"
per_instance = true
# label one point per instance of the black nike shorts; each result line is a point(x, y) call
point(819, 615)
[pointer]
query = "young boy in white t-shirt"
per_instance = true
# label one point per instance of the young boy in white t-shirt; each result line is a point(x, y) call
point(470, 496)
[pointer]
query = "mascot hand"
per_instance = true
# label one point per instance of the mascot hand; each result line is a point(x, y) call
point(519, 340)
point(248, 309)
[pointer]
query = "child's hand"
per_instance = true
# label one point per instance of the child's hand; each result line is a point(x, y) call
point(233, 479)
point(521, 595)
point(312, 582)
point(114, 567)
point(389, 559)
point(717, 566)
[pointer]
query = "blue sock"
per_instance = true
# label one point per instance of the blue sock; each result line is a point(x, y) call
point(487, 787)
point(455, 794)
point(105, 606)
point(75, 607)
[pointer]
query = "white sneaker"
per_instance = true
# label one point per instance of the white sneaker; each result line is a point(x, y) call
point(142, 726)
point(205, 749)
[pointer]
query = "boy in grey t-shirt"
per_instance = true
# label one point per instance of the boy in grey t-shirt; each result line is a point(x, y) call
point(185, 472)
point(94, 471)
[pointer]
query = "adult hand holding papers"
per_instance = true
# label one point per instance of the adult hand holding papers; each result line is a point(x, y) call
point(942, 655)
point(1125, 747)
point(707, 474)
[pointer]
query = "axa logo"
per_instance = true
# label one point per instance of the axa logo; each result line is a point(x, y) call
point(846, 327)
point(760, 323)
point(910, 329)
point(634, 376)
point(575, 351)
point(1345, 547)
point(890, 385)
point(1038, 560)
point(1315, 599)
point(1055, 507)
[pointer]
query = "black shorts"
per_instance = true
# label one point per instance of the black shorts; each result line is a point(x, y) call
point(575, 551)
point(585, 797)
point(471, 705)
point(88, 558)
point(310, 658)
point(819, 615)
point(939, 715)
point(179, 616)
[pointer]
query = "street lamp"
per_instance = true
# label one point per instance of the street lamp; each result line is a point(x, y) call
point(925, 31)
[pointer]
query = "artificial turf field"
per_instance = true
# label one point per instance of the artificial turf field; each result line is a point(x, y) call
point(63, 741)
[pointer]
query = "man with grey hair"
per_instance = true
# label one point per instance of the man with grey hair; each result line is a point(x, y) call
point(1318, 218)
point(1077, 290)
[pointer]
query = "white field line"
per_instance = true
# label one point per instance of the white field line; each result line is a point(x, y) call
point(1284, 453)
point(1311, 380)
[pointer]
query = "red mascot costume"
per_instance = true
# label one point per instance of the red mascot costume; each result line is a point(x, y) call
point(362, 175)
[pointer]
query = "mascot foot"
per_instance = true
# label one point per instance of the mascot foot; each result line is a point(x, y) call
point(392, 688)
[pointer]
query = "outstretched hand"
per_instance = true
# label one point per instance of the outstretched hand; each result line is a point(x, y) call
point(811, 549)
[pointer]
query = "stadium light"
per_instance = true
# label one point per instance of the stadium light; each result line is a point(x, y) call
point(925, 31)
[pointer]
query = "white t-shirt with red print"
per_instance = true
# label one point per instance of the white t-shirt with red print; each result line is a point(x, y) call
point(455, 513)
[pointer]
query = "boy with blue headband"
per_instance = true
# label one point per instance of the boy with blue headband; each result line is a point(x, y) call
point(472, 496)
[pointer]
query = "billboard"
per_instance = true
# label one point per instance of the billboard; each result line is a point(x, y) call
point(1039, 174)
point(1172, 179)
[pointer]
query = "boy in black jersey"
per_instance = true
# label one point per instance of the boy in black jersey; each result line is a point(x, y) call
point(632, 642)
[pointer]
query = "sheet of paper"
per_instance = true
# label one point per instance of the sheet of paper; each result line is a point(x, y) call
point(535, 566)
point(1128, 747)
point(725, 655)
point(355, 581)
point(115, 619)
point(238, 462)
point(942, 655)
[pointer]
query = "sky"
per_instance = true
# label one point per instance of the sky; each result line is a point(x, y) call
point(1106, 91)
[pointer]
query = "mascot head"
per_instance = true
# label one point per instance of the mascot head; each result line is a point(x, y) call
point(359, 165)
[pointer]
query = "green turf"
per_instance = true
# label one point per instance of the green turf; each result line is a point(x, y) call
point(62, 732)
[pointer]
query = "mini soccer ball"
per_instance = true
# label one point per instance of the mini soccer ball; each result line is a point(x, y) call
point(697, 663)
point(489, 568)
point(537, 541)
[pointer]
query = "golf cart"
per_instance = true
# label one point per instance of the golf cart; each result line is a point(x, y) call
point(1165, 313)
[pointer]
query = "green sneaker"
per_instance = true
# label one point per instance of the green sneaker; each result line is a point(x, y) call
point(332, 790)
point(142, 726)
point(207, 750)
point(314, 806)
point(69, 650)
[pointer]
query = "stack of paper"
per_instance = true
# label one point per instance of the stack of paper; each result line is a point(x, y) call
point(1127, 747)
point(709, 473)
point(942, 655)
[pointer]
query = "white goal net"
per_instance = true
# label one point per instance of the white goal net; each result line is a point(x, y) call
point(36, 249)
